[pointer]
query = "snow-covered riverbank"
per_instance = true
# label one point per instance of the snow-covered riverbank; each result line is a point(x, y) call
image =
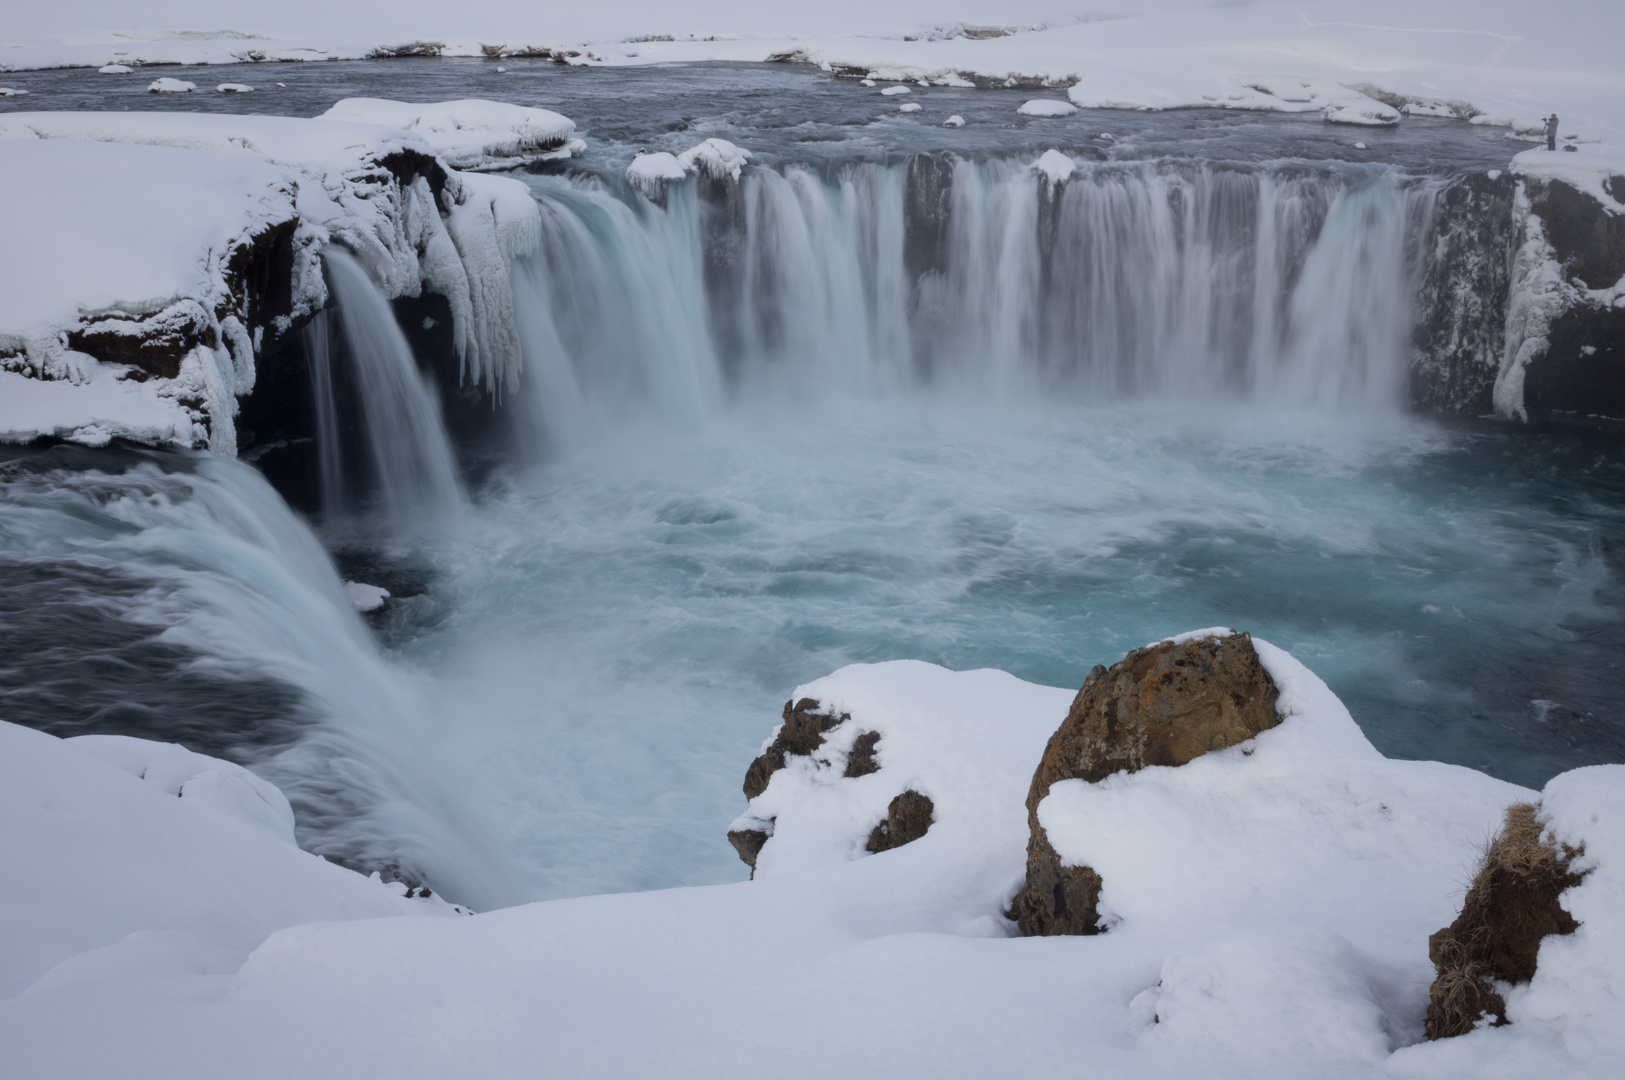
point(1501, 61)
point(1269, 912)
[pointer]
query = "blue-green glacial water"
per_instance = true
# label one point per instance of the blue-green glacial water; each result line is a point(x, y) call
point(848, 408)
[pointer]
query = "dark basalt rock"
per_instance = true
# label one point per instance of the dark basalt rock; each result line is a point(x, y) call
point(802, 733)
point(748, 842)
point(1582, 368)
point(861, 762)
point(1510, 908)
point(1166, 704)
point(907, 819)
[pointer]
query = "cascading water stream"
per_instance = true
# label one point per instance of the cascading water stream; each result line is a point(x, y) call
point(1285, 285)
point(408, 453)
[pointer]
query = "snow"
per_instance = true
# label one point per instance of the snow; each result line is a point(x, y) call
point(6, 91)
point(1046, 107)
point(893, 91)
point(115, 69)
point(650, 172)
point(716, 158)
point(1367, 113)
point(1055, 166)
point(1507, 59)
point(1270, 908)
point(365, 598)
point(143, 860)
point(193, 189)
point(909, 107)
point(471, 133)
point(167, 85)
point(234, 88)
point(954, 121)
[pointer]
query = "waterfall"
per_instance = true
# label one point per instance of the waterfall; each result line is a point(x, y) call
point(1285, 284)
point(408, 455)
point(214, 618)
point(329, 453)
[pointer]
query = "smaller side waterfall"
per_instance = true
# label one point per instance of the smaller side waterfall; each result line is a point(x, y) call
point(408, 455)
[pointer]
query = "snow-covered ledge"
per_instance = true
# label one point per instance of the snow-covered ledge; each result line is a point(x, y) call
point(151, 257)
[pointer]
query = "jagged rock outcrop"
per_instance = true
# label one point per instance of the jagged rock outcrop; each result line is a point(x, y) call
point(801, 733)
point(1511, 906)
point(1165, 704)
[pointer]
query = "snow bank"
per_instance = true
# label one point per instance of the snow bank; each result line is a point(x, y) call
point(111, 272)
point(471, 134)
point(128, 860)
point(1272, 904)
point(1506, 59)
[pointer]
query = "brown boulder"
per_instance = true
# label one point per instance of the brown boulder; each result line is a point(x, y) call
point(907, 819)
point(801, 733)
point(1509, 909)
point(1165, 704)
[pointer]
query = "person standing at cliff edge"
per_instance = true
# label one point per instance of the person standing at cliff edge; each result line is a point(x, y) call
point(1551, 132)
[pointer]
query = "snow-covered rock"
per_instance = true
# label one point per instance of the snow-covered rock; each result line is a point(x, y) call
point(718, 159)
point(234, 88)
point(1365, 113)
point(115, 69)
point(954, 121)
point(1566, 303)
point(7, 91)
point(141, 300)
point(471, 133)
point(167, 85)
point(1046, 107)
point(1055, 166)
point(650, 173)
point(893, 91)
point(909, 107)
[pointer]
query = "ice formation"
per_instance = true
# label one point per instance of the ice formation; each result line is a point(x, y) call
point(150, 275)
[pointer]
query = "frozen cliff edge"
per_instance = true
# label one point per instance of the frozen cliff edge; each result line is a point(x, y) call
point(1565, 327)
point(1269, 909)
point(153, 257)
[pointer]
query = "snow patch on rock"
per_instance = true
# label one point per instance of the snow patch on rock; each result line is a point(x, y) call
point(471, 133)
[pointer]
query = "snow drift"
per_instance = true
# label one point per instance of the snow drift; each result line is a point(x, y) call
point(1270, 907)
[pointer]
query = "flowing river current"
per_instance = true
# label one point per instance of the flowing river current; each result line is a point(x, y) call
point(888, 395)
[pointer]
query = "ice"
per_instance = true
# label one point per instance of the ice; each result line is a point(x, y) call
point(716, 158)
point(194, 188)
point(167, 85)
point(1046, 107)
point(365, 597)
point(650, 172)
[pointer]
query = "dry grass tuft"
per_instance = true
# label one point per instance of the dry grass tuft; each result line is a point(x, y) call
point(1509, 909)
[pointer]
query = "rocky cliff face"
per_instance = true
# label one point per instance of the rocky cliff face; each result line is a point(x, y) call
point(1565, 337)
